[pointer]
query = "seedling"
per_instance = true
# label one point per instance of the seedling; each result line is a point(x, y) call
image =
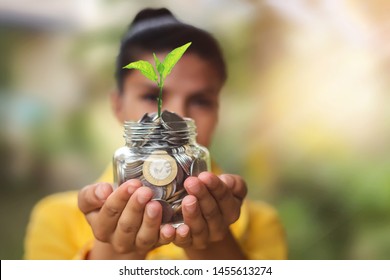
point(163, 69)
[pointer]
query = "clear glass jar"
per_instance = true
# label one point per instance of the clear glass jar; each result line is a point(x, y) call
point(161, 153)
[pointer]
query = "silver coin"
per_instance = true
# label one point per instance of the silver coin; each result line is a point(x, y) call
point(148, 118)
point(198, 166)
point(153, 116)
point(167, 116)
point(158, 192)
point(180, 176)
point(183, 160)
point(119, 176)
point(167, 211)
point(188, 151)
point(173, 121)
point(133, 169)
point(177, 219)
point(177, 204)
point(145, 118)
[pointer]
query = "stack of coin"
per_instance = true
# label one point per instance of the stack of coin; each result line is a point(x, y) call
point(162, 154)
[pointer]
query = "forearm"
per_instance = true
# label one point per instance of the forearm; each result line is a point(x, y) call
point(228, 248)
point(105, 251)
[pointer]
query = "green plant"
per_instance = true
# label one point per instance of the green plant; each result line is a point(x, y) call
point(163, 69)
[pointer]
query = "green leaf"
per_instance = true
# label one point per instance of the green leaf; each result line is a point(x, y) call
point(145, 67)
point(172, 58)
point(159, 65)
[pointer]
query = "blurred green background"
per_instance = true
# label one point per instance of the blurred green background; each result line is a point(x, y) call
point(305, 116)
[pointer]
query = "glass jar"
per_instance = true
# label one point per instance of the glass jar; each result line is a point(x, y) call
point(161, 153)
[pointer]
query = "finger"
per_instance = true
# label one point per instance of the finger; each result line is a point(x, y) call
point(148, 233)
point(236, 184)
point(167, 234)
point(227, 203)
point(130, 220)
point(194, 219)
point(92, 197)
point(208, 206)
point(183, 237)
point(105, 222)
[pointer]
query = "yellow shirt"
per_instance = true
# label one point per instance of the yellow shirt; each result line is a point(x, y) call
point(58, 230)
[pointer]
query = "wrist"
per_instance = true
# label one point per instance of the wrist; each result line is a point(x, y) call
point(102, 250)
point(227, 248)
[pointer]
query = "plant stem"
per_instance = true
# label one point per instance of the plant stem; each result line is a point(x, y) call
point(160, 85)
point(159, 102)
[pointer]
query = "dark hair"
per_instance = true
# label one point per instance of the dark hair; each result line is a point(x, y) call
point(158, 30)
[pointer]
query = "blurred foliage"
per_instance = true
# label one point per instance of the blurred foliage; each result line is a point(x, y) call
point(304, 115)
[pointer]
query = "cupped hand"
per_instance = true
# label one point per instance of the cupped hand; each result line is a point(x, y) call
point(125, 222)
point(212, 204)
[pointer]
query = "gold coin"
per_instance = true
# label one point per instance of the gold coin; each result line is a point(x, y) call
point(170, 189)
point(159, 168)
point(177, 195)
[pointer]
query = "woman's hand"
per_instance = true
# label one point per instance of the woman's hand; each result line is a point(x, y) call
point(213, 203)
point(125, 222)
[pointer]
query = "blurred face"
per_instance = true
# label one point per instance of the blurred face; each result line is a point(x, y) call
point(191, 90)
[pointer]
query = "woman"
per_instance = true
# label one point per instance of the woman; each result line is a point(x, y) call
point(99, 223)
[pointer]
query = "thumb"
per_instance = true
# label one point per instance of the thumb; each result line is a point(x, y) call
point(92, 197)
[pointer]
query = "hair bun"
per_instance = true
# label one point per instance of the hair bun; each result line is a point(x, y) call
point(150, 18)
point(151, 14)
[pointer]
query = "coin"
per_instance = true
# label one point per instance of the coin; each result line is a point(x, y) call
point(170, 189)
point(180, 176)
point(145, 118)
point(148, 118)
point(159, 168)
point(177, 196)
point(177, 218)
point(167, 211)
point(183, 159)
point(119, 176)
point(158, 192)
point(198, 166)
point(172, 121)
point(177, 208)
point(133, 169)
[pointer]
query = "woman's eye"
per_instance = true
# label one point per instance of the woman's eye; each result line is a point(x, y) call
point(203, 102)
point(149, 97)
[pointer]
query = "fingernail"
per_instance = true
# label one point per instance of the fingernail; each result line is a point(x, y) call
point(194, 188)
point(99, 192)
point(142, 199)
point(227, 180)
point(152, 212)
point(206, 177)
point(183, 230)
point(131, 189)
point(191, 207)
